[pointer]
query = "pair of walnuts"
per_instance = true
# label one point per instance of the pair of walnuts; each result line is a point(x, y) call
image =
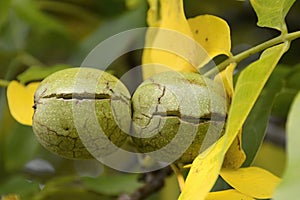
point(82, 113)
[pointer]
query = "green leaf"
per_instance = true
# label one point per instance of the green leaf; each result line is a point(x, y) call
point(272, 13)
point(18, 185)
point(206, 166)
point(289, 187)
point(128, 20)
point(20, 146)
point(286, 96)
point(69, 193)
point(271, 156)
point(38, 73)
point(14, 33)
point(250, 84)
point(292, 79)
point(113, 185)
point(103, 187)
point(257, 121)
point(67, 188)
point(30, 13)
point(220, 185)
point(283, 101)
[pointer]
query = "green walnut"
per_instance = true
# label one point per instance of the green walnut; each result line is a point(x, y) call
point(81, 113)
point(177, 115)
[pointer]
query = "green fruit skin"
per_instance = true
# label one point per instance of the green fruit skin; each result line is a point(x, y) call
point(170, 103)
point(73, 106)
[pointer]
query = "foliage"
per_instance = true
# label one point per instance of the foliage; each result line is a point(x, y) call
point(290, 183)
point(36, 36)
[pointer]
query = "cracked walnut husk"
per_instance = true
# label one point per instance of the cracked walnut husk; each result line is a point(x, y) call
point(176, 115)
point(81, 113)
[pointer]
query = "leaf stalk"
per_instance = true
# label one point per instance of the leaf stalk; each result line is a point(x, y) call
point(256, 49)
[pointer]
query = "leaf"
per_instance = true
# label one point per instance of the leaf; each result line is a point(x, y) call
point(66, 187)
point(14, 34)
point(113, 185)
point(292, 79)
point(272, 13)
point(287, 94)
point(206, 166)
point(212, 33)
point(252, 181)
point(10, 197)
point(69, 193)
point(271, 156)
point(20, 146)
point(18, 185)
point(258, 119)
point(235, 155)
point(200, 39)
point(103, 187)
point(248, 87)
point(220, 185)
point(20, 101)
point(38, 73)
point(153, 13)
point(227, 195)
point(283, 101)
point(129, 20)
point(161, 52)
point(289, 187)
point(203, 173)
point(29, 12)
point(225, 77)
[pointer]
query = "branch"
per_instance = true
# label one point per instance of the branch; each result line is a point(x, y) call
point(154, 181)
point(245, 54)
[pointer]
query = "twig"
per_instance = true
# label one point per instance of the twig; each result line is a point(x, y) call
point(179, 176)
point(245, 54)
point(154, 181)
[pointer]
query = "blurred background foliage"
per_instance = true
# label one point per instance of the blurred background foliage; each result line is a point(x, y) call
point(47, 33)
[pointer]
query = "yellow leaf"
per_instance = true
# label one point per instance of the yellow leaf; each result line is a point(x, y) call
point(10, 197)
point(225, 78)
point(171, 46)
point(252, 181)
point(201, 176)
point(180, 44)
point(235, 156)
point(153, 14)
point(199, 180)
point(20, 101)
point(205, 168)
point(227, 195)
point(173, 17)
point(212, 33)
